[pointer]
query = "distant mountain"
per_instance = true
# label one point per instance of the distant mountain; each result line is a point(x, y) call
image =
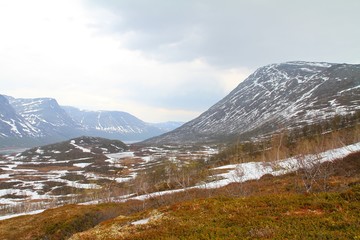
point(13, 125)
point(46, 115)
point(116, 124)
point(275, 96)
point(39, 121)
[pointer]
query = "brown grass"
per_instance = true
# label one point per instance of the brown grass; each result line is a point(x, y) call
point(269, 208)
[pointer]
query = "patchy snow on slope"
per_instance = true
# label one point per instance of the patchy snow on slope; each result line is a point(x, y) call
point(147, 159)
point(286, 95)
point(20, 214)
point(255, 170)
point(39, 151)
point(120, 155)
point(141, 221)
point(115, 157)
point(84, 185)
point(13, 126)
point(81, 165)
point(72, 142)
point(2, 176)
point(30, 194)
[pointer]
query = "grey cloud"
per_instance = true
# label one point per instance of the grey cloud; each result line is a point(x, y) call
point(236, 33)
point(192, 94)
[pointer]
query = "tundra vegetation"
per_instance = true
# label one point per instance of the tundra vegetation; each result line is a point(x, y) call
point(317, 201)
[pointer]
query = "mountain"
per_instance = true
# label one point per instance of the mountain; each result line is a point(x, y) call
point(46, 115)
point(27, 122)
point(117, 124)
point(13, 125)
point(275, 96)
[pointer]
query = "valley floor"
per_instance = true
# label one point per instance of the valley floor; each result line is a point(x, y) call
point(227, 174)
point(43, 182)
point(268, 207)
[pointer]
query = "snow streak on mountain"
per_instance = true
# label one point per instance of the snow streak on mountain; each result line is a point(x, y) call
point(38, 121)
point(46, 115)
point(275, 96)
point(12, 124)
point(116, 124)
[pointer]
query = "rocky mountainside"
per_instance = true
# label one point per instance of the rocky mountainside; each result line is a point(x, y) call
point(46, 115)
point(39, 121)
point(115, 124)
point(273, 97)
point(13, 124)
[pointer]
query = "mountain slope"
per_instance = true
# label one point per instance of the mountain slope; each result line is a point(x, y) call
point(46, 115)
point(115, 124)
point(273, 97)
point(12, 124)
point(27, 122)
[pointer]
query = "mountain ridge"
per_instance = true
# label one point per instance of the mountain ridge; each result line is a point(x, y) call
point(27, 122)
point(280, 95)
point(10, 122)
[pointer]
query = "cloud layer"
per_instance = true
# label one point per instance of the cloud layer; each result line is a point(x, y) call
point(162, 60)
point(234, 33)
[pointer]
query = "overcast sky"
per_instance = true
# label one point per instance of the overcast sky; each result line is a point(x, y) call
point(162, 60)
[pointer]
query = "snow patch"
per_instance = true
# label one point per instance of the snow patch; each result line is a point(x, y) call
point(21, 214)
point(39, 151)
point(2, 176)
point(255, 170)
point(81, 165)
point(72, 142)
point(141, 222)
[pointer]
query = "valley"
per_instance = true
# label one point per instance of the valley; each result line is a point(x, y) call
point(29, 122)
point(90, 170)
point(282, 148)
point(179, 120)
point(75, 172)
point(265, 207)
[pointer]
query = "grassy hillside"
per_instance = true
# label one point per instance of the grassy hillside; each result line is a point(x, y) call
point(269, 208)
point(310, 139)
point(285, 216)
point(59, 223)
point(282, 207)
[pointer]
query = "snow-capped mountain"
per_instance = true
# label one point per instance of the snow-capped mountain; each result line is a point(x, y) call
point(115, 124)
point(13, 125)
point(46, 115)
point(273, 97)
point(38, 121)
